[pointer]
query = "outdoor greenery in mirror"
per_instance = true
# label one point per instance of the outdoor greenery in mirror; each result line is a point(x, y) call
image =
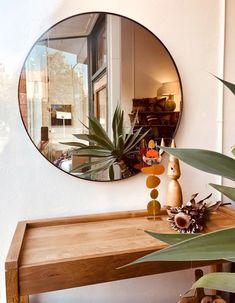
point(212, 246)
point(72, 81)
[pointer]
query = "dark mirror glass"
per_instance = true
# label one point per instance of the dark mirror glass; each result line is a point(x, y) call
point(78, 79)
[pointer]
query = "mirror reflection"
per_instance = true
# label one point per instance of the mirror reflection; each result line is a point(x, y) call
point(86, 67)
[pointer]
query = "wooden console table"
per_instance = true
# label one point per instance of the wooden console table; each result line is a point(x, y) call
point(54, 254)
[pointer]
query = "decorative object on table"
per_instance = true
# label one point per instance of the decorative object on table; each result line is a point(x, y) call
point(153, 154)
point(152, 158)
point(174, 193)
point(103, 153)
point(199, 295)
point(192, 217)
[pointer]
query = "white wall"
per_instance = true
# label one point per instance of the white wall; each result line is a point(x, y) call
point(31, 187)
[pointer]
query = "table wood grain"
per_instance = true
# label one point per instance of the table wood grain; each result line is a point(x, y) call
point(59, 253)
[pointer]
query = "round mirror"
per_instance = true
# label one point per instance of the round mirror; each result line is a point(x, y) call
point(94, 90)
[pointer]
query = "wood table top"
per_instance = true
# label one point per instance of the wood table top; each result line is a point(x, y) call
point(93, 239)
point(53, 254)
point(46, 244)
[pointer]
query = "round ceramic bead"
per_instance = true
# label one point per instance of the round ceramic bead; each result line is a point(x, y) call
point(154, 193)
point(153, 207)
point(152, 181)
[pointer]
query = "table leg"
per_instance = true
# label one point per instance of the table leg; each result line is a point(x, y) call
point(12, 290)
point(24, 299)
point(216, 268)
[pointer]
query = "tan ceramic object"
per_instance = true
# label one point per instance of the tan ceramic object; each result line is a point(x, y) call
point(174, 192)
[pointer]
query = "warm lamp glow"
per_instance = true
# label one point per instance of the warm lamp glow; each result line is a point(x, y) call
point(168, 89)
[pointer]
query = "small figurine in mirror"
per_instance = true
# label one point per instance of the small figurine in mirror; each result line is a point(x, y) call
point(152, 155)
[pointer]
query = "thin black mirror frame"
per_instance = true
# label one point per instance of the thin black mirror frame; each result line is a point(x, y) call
point(118, 15)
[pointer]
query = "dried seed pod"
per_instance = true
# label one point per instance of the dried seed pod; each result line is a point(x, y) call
point(191, 218)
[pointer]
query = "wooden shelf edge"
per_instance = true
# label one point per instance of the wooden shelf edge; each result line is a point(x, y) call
point(15, 247)
point(89, 218)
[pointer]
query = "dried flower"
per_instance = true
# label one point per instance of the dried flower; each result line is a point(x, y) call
point(192, 217)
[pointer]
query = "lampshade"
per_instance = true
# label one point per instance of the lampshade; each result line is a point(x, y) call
point(168, 88)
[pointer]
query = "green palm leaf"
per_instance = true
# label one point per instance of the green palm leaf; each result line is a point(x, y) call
point(94, 139)
point(132, 128)
point(205, 160)
point(219, 245)
point(100, 132)
point(233, 150)
point(100, 145)
point(114, 126)
point(120, 129)
point(225, 190)
point(121, 143)
point(84, 137)
point(84, 125)
point(171, 238)
point(93, 153)
point(219, 281)
point(99, 169)
point(117, 125)
point(132, 139)
point(80, 167)
point(93, 147)
point(229, 85)
point(135, 141)
point(75, 144)
point(111, 172)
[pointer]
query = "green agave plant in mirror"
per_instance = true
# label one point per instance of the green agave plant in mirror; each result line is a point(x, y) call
point(212, 246)
point(104, 153)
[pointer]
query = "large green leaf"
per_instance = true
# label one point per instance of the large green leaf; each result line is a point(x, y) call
point(206, 160)
point(219, 245)
point(220, 281)
point(171, 238)
point(225, 190)
point(229, 85)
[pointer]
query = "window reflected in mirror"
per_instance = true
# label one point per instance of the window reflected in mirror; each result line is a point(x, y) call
point(85, 66)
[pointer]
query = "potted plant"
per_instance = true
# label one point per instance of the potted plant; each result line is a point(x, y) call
point(103, 152)
point(212, 246)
